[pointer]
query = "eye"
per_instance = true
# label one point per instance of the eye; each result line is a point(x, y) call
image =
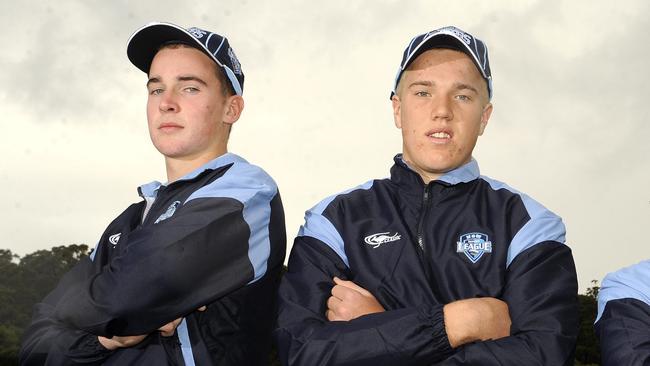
point(422, 93)
point(191, 89)
point(464, 98)
point(156, 91)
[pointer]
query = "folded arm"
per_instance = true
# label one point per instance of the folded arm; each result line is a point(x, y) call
point(541, 293)
point(306, 337)
point(169, 270)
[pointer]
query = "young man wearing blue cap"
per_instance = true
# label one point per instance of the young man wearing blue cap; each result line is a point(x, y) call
point(436, 264)
point(189, 274)
point(623, 320)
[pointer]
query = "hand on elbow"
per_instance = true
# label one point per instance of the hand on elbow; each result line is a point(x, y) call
point(476, 319)
point(350, 301)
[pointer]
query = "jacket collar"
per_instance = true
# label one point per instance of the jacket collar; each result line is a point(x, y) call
point(151, 189)
point(463, 174)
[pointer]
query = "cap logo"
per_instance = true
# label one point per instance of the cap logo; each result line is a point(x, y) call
point(235, 62)
point(460, 34)
point(197, 33)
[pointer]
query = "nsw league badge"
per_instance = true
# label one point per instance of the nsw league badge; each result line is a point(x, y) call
point(474, 245)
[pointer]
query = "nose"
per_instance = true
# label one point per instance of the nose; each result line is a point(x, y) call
point(168, 102)
point(442, 108)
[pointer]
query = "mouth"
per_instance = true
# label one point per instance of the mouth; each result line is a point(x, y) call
point(439, 136)
point(169, 126)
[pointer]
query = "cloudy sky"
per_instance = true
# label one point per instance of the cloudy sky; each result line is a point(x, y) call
point(570, 127)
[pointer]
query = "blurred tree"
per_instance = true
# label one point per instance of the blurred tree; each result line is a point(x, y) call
point(24, 282)
point(39, 272)
point(588, 348)
point(9, 332)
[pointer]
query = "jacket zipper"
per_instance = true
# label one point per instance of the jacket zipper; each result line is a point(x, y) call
point(426, 201)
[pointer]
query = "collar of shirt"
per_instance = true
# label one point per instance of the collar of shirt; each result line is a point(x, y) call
point(151, 189)
point(463, 174)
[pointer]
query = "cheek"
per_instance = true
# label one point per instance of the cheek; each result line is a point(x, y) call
point(151, 111)
point(210, 112)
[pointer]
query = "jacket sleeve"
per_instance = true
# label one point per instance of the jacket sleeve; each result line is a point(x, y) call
point(169, 269)
point(541, 293)
point(305, 336)
point(623, 332)
point(47, 341)
point(624, 316)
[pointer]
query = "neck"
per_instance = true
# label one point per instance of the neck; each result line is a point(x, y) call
point(426, 176)
point(178, 167)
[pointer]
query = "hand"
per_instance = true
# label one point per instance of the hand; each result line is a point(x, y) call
point(120, 342)
point(116, 342)
point(350, 301)
point(476, 319)
point(169, 329)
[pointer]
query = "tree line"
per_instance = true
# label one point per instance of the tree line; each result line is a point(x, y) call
point(26, 280)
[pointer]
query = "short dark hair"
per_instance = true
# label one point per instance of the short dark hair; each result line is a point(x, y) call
point(226, 88)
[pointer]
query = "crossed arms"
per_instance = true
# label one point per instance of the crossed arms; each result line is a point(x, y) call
point(321, 322)
point(164, 275)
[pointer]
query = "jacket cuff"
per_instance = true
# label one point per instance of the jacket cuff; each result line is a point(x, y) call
point(88, 349)
point(435, 318)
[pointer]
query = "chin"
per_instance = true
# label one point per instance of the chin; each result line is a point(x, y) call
point(171, 152)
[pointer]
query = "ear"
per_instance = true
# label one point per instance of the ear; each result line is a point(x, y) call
point(485, 117)
point(397, 111)
point(234, 107)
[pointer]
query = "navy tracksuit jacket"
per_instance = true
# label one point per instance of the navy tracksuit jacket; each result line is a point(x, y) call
point(623, 322)
point(215, 237)
point(417, 247)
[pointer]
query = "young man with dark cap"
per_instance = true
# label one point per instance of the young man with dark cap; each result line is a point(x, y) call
point(436, 264)
point(623, 320)
point(210, 239)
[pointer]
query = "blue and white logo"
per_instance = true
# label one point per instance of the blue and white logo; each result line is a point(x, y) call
point(235, 62)
point(474, 245)
point(196, 32)
point(375, 240)
point(169, 213)
point(114, 239)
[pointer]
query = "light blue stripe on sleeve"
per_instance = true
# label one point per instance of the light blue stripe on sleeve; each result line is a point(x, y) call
point(543, 225)
point(255, 189)
point(630, 282)
point(319, 227)
point(186, 346)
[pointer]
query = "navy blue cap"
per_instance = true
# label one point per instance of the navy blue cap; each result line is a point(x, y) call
point(145, 42)
point(448, 37)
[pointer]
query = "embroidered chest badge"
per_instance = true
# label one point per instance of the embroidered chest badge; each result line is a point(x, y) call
point(375, 240)
point(169, 213)
point(474, 245)
point(114, 239)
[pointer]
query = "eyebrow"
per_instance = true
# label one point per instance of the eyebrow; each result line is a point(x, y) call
point(421, 83)
point(462, 86)
point(179, 78)
point(457, 85)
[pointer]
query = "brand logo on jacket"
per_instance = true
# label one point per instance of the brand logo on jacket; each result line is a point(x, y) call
point(375, 240)
point(113, 239)
point(474, 245)
point(169, 213)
